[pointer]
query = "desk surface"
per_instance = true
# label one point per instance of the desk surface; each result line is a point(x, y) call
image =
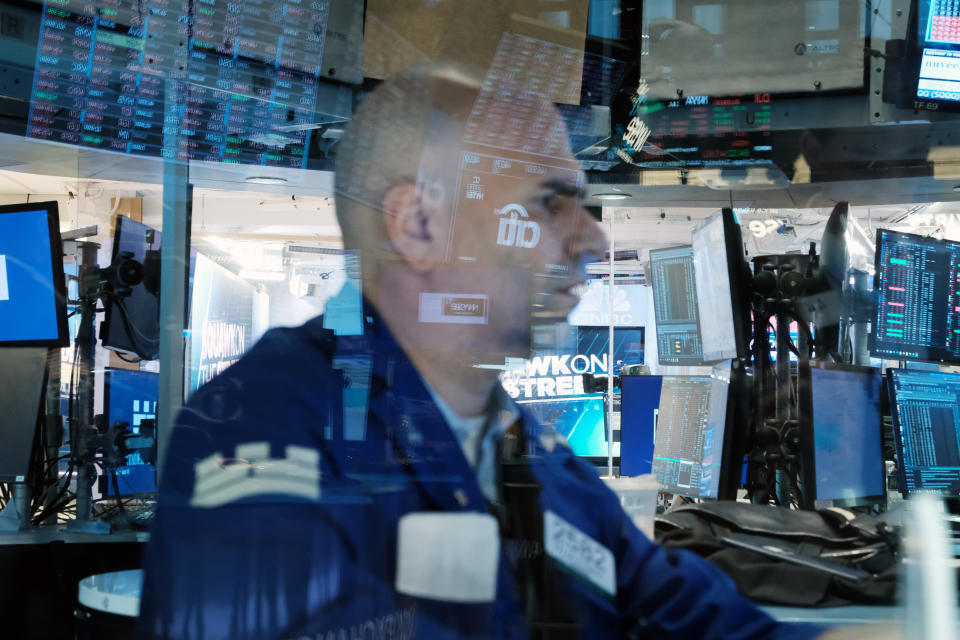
point(59, 533)
point(836, 616)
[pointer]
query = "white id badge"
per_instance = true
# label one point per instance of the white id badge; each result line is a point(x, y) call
point(579, 553)
point(451, 557)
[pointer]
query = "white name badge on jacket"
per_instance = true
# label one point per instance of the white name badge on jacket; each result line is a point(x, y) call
point(579, 553)
point(451, 557)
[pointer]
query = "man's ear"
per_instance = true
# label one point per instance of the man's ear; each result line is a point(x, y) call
point(411, 226)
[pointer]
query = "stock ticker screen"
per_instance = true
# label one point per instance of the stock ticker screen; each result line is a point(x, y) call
point(918, 298)
point(688, 444)
point(707, 131)
point(675, 306)
point(247, 74)
point(926, 420)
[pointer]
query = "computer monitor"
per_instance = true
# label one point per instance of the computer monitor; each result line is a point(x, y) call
point(33, 305)
point(842, 435)
point(628, 343)
point(694, 447)
point(925, 406)
point(917, 287)
point(130, 396)
point(22, 376)
point(579, 419)
point(722, 280)
point(639, 404)
point(131, 323)
point(675, 306)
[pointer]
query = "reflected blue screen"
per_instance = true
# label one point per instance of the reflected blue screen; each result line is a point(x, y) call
point(639, 402)
point(132, 397)
point(848, 448)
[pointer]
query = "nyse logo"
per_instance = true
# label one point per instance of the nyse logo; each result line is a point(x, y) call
point(514, 230)
point(4, 289)
point(469, 307)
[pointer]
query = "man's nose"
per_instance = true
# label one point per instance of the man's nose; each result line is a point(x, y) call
point(587, 237)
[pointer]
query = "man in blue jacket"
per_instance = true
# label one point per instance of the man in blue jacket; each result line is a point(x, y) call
point(382, 485)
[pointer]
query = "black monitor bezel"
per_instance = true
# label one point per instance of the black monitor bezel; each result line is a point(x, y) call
point(898, 438)
point(679, 361)
point(807, 440)
point(938, 354)
point(59, 280)
point(107, 384)
point(738, 275)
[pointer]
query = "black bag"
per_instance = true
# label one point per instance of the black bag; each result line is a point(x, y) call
point(826, 542)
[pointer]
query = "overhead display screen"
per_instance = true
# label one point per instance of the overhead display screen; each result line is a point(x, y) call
point(246, 77)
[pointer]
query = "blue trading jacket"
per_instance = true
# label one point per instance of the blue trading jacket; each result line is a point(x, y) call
point(250, 541)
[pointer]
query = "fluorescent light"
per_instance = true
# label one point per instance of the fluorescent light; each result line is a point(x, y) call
point(254, 274)
point(266, 180)
point(611, 196)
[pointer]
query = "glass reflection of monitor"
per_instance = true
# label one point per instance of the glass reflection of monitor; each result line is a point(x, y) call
point(925, 406)
point(580, 419)
point(719, 270)
point(131, 324)
point(917, 286)
point(842, 435)
point(131, 397)
point(693, 445)
point(33, 308)
point(639, 403)
point(675, 306)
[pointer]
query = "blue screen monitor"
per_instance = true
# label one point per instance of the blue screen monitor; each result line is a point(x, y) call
point(33, 309)
point(842, 435)
point(579, 419)
point(131, 396)
point(925, 406)
point(639, 403)
point(675, 306)
point(692, 443)
point(917, 287)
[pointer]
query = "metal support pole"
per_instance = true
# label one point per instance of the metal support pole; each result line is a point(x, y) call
point(610, 362)
point(174, 269)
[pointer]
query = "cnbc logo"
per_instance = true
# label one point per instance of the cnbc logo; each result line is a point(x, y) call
point(4, 288)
